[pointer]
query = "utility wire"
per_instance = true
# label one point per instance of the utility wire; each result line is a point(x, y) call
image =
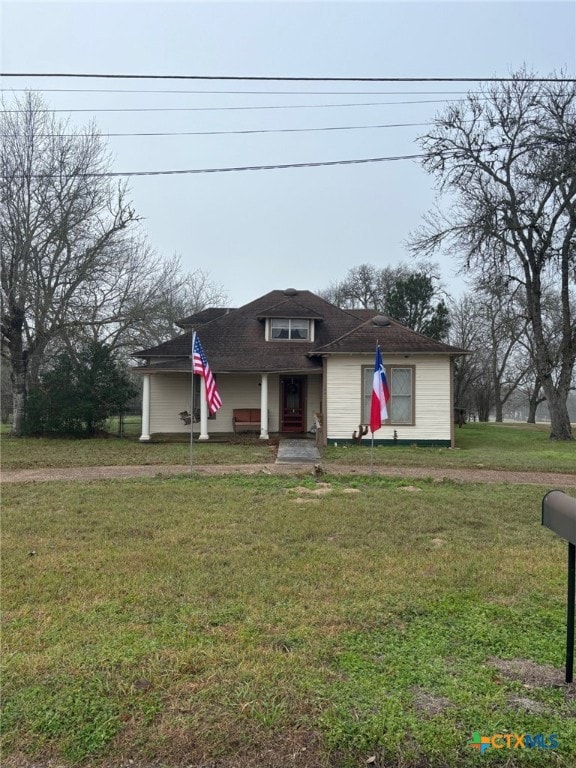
point(188, 171)
point(231, 133)
point(261, 78)
point(114, 174)
point(233, 93)
point(235, 109)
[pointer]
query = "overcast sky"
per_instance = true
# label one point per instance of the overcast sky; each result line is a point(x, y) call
point(254, 231)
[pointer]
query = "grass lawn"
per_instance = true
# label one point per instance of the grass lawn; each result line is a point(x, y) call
point(36, 452)
point(511, 446)
point(492, 446)
point(271, 621)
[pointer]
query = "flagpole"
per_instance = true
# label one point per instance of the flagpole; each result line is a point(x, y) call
point(372, 448)
point(192, 400)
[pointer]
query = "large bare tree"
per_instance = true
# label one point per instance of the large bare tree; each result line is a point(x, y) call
point(74, 266)
point(506, 158)
point(411, 294)
point(140, 302)
point(64, 228)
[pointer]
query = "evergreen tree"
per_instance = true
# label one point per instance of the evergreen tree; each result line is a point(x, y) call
point(79, 393)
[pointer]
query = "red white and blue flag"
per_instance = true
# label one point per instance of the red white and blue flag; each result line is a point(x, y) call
point(200, 366)
point(380, 394)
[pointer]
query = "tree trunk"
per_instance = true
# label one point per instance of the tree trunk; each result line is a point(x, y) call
point(497, 396)
point(534, 400)
point(557, 398)
point(19, 392)
point(559, 419)
point(555, 393)
point(532, 406)
point(498, 408)
point(13, 335)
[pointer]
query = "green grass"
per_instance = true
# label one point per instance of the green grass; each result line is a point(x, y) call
point(511, 446)
point(37, 452)
point(491, 446)
point(201, 620)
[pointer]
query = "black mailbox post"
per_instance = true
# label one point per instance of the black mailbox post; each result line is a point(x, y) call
point(559, 514)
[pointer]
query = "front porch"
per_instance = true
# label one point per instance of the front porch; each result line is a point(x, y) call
point(278, 405)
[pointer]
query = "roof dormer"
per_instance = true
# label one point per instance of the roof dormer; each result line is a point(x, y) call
point(289, 320)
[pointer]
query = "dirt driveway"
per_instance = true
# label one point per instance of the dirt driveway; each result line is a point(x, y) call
point(551, 480)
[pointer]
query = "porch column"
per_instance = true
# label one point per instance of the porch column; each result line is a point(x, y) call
point(264, 407)
point(145, 436)
point(203, 412)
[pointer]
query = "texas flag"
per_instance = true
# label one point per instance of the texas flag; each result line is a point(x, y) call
point(380, 394)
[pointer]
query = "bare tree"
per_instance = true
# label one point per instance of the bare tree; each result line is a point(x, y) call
point(64, 228)
point(410, 294)
point(508, 155)
point(75, 268)
point(473, 392)
point(141, 302)
point(365, 286)
point(504, 327)
point(531, 384)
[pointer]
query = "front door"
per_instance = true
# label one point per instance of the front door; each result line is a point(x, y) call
point(292, 404)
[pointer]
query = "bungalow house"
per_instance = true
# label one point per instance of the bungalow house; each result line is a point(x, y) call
point(290, 361)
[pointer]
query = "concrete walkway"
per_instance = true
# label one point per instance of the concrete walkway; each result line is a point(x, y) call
point(297, 452)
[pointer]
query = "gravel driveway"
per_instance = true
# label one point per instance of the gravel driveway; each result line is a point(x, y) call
point(552, 480)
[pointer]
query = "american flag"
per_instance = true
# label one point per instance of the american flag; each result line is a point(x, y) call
point(200, 366)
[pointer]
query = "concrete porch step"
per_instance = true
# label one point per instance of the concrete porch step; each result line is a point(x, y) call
point(297, 452)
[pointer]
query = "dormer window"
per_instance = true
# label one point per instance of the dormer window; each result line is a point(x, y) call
point(289, 329)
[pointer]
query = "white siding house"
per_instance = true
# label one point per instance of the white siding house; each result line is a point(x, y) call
point(426, 416)
point(294, 359)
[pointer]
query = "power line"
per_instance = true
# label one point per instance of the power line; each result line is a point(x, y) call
point(232, 133)
point(262, 78)
point(235, 92)
point(235, 109)
point(280, 166)
point(114, 174)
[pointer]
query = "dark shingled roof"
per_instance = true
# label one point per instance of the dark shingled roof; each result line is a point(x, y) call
point(292, 309)
point(393, 338)
point(363, 314)
point(205, 316)
point(234, 341)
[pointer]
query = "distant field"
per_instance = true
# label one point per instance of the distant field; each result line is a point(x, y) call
point(270, 621)
point(490, 446)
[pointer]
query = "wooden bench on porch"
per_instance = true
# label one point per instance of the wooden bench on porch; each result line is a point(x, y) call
point(244, 419)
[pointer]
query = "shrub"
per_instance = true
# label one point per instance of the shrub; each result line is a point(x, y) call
point(79, 393)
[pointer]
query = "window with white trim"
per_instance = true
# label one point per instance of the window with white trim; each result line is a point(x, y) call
point(401, 385)
point(289, 329)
